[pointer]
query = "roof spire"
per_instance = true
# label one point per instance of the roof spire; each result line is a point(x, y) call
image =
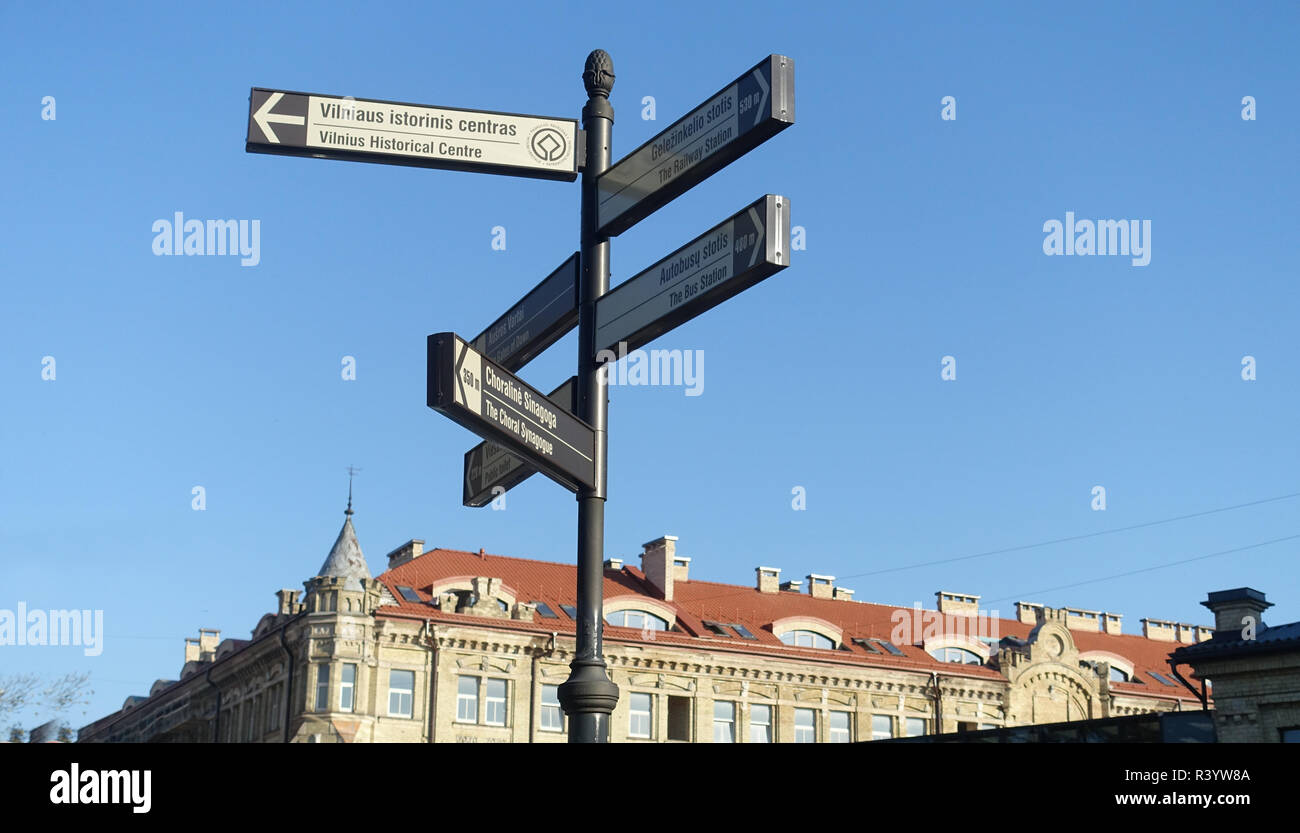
point(351, 471)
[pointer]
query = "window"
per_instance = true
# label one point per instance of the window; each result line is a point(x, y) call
point(679, 718)
point(1161, 678)
point(495, 703)
point(467, 700)
point(639, 619)
point(640, 712)
point(544, 610)
point(807, 639)
point(274, 721)
point(401, 692)
point(760, 724)
point(1118, 675)
point(347, 687)
point(889, 646)
point(322, 687)
point(840, 727)
point(570, 610)
point(501, 603)
point(915, 727)
point(882, 726)
point(407, 593)
point(724, 722)
point(716, 628)
point(959, 655)
point(743, 631)
point(552, 714)
point(865, 645)
point(805, 726)
point(1290, 735)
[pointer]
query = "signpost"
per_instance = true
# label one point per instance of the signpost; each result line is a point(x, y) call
point(740, 117)
point(491, 470)
point(542, 317)
point(492, 402)
point(393, 133)
point(728, 258)
point(565, 435)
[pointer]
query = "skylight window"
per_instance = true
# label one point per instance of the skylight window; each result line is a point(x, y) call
point(716, 629)
point(1163, 679)
point(889, 646)
point(571, 610)
point(743, 631)
point(865, 645)
point(408, 594)
point(544, 610)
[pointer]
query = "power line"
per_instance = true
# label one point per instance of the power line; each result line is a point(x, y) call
point(1146, 569)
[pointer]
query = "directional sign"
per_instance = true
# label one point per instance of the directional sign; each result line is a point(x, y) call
point(729, 258)
point(490, 470)
point(492, 402)
point(543, 315)
point(393, 133)
point(743, 115)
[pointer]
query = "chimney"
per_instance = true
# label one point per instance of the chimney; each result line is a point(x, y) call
point(413, 548)
point(843, 594)
point(681, 568)
point(288, 601)
point(1232, 609)
point(960, 604)
point(769, 579)
point(614, 564)
point(208, 640)
point(820, 587)
point(1027, 612)
point(523, 611)
point(192, 653)
point(1161, 630)
point(1112, 623)
point(1077, 619)
point(1203, 633)
point(1186, 633)
point(793, 585)
point(658, 562)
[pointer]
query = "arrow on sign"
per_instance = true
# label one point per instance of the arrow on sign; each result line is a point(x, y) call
point(265, 118)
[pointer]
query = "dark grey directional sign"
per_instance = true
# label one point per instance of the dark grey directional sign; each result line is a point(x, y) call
point(743, 115)
point(491, 470)
point(539, 319)
point(729, 258)
point(393, 133)
point(492, 402)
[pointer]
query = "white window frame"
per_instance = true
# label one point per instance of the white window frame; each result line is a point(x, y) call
point(844, 735)
point(394, 689)
point(876, 732)
point(764, 727)
point(804, 638)
point(633, 713)
point(909, 722)
point(640, 619)
point(552, 717)
point(490, 701)
point(727, 722)
point(322, 687)
point(348, 687)
point(463, 698)
point(799, 736)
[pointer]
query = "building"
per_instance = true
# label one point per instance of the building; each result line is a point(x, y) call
point(447, 645)
point(1255, 669)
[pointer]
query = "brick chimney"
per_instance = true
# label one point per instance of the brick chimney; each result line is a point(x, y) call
point(820, 587)
point(961, 604)
point(413, 548)
point(843, 594)
point(792, 585)
point(769, 579)
point(658, 562)
point(1231, 607)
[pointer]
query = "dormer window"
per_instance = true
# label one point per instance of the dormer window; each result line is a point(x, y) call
point(807, 639)
point(958, 655)
point(642, 620)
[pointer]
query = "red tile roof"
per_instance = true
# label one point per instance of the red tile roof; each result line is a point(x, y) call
point(697, 601)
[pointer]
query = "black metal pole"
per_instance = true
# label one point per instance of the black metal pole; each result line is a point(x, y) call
point(588, 696)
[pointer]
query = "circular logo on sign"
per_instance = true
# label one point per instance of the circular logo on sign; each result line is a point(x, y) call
point(548, 144)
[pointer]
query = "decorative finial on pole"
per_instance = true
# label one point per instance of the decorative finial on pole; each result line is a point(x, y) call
point(351, 471)
point(598, 77)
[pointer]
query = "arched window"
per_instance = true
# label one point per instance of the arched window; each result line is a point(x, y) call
point(960, 655)
point(807, 639)
point(640, 619)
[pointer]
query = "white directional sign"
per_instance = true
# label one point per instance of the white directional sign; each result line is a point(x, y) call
point(743, 115)
point(729, 258)
point(491, 470)
point(492, 402)
point(393, 133)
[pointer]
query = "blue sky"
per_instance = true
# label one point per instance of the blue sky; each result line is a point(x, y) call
point(924, 240)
